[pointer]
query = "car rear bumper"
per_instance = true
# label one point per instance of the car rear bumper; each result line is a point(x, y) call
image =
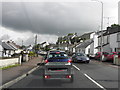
point(58, 76)
point(82, 60)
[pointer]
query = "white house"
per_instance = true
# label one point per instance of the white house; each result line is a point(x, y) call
point(1, 49)
point(111, 40)
point(8, 48)
point(118, 40)
point(118, 36)
point(93, 49)
point(105, 41)
point(84, 46)
point(42, 45)
point(115, 40)
point(72, 48)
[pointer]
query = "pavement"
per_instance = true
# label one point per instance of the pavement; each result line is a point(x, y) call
point(15, 72)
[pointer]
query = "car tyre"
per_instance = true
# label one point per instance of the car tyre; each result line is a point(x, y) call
point(72, 79)
point(74, 60)
point(87, 62)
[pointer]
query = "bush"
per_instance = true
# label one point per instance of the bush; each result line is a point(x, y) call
point(31, 53)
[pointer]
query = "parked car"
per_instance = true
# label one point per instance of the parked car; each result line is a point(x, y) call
point(80, 57)
point(91, 56)
point(98, 55)
point(118, 54)
point(110, 57)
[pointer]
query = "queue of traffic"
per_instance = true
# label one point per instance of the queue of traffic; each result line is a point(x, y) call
point(58, 65)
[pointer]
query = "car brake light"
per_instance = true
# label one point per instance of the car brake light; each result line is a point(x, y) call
point(47, 76)
point(70, 60)
point(46, 61)
point(57, 52)
point(68, 76)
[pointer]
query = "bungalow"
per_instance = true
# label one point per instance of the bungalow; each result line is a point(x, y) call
point(63, 47)
point(72, 48)
point(8, 48)
point(84, 46)
point(1, 50)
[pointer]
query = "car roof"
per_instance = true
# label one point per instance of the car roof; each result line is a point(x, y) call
point(56, 51)
point(79, 53)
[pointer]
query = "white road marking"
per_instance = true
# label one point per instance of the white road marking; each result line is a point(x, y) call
point(94, 82)
point(76, 67)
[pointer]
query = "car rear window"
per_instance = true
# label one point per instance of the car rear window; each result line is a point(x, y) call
point(105, 53)
point(80, 54)
point(111, 53)
point(57, 55)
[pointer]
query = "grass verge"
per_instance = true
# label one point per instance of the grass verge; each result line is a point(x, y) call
point(9, 66)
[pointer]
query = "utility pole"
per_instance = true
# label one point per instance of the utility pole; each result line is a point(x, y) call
point(101, 27)
point(36, 39)
point(35, 43)
point(58, 42)
point(22, 42)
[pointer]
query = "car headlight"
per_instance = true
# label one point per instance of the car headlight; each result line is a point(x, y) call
point(87, 58)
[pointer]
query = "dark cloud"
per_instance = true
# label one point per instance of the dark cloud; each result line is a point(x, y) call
point(4, 37)
point(51, 18)
point(0, 13)
point(119, 12)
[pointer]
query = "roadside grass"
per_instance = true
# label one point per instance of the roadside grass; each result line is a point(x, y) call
point(9, 66)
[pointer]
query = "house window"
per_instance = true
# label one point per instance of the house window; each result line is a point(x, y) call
point(118, 37)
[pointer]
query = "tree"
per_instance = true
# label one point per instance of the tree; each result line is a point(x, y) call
point(115, 25)
point(47, 48)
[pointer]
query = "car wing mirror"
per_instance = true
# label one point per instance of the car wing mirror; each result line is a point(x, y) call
point(88, 55)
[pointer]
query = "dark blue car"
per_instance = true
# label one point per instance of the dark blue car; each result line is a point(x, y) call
point(80, 57)
point(57, 56)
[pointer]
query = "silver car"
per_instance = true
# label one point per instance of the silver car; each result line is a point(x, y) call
point(80, 57)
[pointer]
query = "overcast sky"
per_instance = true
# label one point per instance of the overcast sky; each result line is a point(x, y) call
point(22, 20)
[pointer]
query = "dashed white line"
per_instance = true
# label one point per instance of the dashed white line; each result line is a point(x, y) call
point(94, 82)
point(90, 78)
point(76, 67)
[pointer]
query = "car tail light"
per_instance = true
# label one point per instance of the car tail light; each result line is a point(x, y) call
point(68, 76)
point(47, 76)
point(70, 60)
point(57, 52)
point(46, 61)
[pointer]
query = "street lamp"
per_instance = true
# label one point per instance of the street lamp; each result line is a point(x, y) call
point(101, 26)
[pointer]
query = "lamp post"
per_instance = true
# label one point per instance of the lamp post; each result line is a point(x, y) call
point(58, 42)
point(101, 26)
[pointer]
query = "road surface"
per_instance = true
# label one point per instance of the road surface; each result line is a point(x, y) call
point(93, 75)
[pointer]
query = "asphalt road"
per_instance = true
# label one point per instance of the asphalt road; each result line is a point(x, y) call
point(93, 75)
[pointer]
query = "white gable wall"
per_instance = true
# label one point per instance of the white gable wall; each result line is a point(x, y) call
point(1, 49)
point(113, 42)
point(93, 46)
point(95, 43)
point(87, 49)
